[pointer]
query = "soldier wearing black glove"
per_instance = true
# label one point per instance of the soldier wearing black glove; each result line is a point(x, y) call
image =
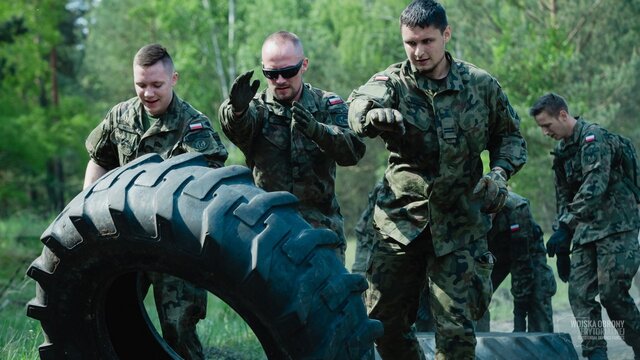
point(242, 92)
point(559, 244)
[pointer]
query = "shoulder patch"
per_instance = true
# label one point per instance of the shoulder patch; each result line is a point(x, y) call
point(590, 138)
point(514, 227)
point(380, 78)
point(196, 126)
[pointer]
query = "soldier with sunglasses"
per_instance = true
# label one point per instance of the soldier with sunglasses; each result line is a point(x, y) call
point(292, 134)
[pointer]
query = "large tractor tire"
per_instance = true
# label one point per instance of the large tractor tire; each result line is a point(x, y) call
point(211, 227)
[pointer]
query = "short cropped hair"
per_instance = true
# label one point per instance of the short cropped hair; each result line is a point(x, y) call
point(424, 13)
point(149, 55)
point(550, 103)
point(284, 36)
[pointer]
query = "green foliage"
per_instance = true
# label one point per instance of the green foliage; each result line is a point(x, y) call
point(586, 51)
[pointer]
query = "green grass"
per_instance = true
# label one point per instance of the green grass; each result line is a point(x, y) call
point(20, 336)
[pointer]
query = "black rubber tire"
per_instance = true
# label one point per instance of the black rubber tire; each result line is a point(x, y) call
point(211, 227)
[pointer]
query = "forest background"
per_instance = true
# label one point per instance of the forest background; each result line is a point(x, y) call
point(63, 64)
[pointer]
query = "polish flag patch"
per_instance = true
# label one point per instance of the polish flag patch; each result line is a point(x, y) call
point(515, 227)
point(590, 138)
point(335, 101)
point(196, 126)
point(381, 78)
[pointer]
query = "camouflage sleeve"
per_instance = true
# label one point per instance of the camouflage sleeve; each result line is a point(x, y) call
point(338, 140)
point(378, 92)
point(99, 145)
point(522, 234)
point(595, 157)
point(242, 130)
point(199, 136)
point(507, 148)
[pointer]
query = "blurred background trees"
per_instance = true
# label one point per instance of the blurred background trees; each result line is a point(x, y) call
point(63, 64)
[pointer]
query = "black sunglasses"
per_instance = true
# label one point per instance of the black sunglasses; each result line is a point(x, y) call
point(286, 72)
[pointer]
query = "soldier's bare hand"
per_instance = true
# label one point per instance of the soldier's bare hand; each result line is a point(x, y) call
point(386, 119)
point(242, 91)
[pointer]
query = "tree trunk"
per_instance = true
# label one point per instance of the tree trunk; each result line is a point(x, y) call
point(55, 168)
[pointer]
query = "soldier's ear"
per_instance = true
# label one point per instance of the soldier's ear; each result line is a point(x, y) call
point(563, 115)
point(447, 34)
point(174, 78)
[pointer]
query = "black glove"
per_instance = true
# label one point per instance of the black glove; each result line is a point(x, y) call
point(563, 264)
point(386, 119)
point(520, 311)
point(242, 92)
point(493, 189)
point(304, 121)
point(560, 242)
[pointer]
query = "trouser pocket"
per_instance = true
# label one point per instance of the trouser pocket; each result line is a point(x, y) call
point(482, 288)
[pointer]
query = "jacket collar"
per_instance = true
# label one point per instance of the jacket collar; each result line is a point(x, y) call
point(169, 121)
point(576, 135)
point(454, 79)
point(306, 99)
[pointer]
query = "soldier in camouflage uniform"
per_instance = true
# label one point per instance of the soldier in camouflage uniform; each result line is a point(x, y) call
point(158, 121)
point(436, 114)
point(517, 243)
point(597, 211)
point(365, 242)
point(292, 134)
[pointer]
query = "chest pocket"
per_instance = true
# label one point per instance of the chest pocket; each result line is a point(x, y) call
point(277, 132)
point(415, 112)
point(126, 140)
point(572, 171)
point(474, 126)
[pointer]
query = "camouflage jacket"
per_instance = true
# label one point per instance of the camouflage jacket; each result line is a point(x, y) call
point(516, 238)
point(284, 159)
point(433, 168)
point(120, 137)
point(591, 197)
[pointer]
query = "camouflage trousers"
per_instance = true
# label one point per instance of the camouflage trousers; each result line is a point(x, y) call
point(539, 313)
point(364, 247)
point(459, 290)
point(605, 267)
point(180, 306)
point(334, 223)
